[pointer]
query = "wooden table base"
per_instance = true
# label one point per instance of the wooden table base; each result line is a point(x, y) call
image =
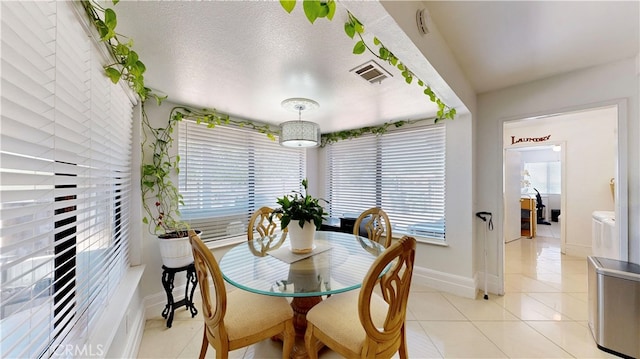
point(301, 305)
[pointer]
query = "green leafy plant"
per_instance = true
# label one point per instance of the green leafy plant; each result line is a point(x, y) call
point(157, 185)
point(332, 137)
point(299, 207)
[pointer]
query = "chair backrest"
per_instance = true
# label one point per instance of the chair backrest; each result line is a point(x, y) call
point(260, 223)
point(376, 223)
point(260, 246)
point(395, 285)
point(207, 266)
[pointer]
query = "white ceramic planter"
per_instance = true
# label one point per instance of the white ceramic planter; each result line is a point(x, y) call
point(301, 239)
point(176, 252)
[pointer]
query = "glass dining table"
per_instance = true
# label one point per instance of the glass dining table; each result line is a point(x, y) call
point(338, 263)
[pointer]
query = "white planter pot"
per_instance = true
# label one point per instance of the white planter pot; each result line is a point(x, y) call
point(301, 239)
point(176, 252)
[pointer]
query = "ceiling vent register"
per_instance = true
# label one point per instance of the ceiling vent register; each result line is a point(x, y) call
point(371, 71)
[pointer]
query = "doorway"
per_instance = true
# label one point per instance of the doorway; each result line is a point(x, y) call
point(588, 156)
point(533, 196)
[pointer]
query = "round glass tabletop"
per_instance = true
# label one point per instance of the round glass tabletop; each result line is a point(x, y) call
point(338, 263)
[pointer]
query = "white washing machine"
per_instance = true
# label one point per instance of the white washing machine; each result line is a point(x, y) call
point(604, 238)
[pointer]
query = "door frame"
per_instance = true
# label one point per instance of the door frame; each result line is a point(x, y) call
point(621, 193)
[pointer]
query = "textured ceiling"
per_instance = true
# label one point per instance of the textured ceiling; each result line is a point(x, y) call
point(245, 57)
point(503, 43)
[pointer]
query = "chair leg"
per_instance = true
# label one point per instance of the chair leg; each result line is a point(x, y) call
point(205, 344)
point(289, 338)
point(310, 342)
point(403, 344)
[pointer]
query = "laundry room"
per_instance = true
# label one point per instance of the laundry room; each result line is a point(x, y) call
point(561, 169)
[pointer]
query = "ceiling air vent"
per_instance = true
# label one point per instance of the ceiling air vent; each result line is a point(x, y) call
point(371, 72)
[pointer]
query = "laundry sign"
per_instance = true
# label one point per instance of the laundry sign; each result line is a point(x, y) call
point(529, 139)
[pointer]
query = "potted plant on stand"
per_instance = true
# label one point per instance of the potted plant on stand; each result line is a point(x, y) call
point(302, 215)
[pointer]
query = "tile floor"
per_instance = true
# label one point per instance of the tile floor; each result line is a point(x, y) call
point(542, 315)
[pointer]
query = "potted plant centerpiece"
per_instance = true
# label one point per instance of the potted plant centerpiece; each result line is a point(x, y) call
point(302, 215)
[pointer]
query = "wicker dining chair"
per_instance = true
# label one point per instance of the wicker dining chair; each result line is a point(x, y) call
point(239, 318)
point(361, 324)
point(260, 223)
point(376, 224)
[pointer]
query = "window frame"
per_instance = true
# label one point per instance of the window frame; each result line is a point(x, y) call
point(387, 149)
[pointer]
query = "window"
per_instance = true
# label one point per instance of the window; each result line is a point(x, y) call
point(402, 171)
point(65, 172)
point(227, 172)
point(544, 176)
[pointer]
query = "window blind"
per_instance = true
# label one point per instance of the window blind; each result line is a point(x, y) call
point(228, 172)
point(65, 175)
point(401, 171)
point(544, 176)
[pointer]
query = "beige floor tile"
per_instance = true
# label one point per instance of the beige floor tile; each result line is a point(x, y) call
point(161, 342)
point(573, 337)
point(432, 306)
point(460, 340)
point(518, 340)
point(564, 303)
point(479, 309)
point(419, 287)
point(522, 283)
point(527, 308)
point(266, 349)
point(419, 345)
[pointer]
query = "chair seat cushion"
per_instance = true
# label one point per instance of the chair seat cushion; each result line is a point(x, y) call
point(250, 313)
point(338, 317)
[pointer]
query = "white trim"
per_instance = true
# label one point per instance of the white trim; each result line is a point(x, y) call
point(115, 312)
point(134, 336)
point(578, 250)
point(622, 169)
point(446, 282)
point(494, 286)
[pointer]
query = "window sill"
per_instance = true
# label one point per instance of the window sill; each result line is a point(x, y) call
point(426, 240)
point(226, 242)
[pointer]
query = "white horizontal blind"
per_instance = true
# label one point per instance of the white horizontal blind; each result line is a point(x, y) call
point(227, 172)
point(544, 176)
point(402, 171)
point(65, 181)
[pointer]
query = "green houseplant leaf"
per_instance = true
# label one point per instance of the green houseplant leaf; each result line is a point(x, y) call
point(299, 207)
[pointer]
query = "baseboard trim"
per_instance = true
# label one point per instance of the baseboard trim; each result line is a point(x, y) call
point(575, 250)
point(494, 286)
point(450, 283)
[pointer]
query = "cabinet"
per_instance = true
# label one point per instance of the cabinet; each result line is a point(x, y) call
point(528, 217)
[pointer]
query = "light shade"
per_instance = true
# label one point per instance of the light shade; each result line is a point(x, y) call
point(299, 134)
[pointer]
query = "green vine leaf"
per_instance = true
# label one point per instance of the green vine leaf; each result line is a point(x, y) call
point(110, 19)
point(349, 29)
point(312, 9)
point(288, 5)
point(113, 74)
point(359, 48)
point(331, 5)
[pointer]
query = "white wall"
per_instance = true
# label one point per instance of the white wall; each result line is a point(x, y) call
point(448, 267)
point(588, 88)
point(590, 161)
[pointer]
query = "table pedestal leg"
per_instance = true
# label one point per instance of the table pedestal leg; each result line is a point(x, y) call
point(301, 305)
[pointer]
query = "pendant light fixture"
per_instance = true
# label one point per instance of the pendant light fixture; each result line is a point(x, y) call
point(299, 133)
